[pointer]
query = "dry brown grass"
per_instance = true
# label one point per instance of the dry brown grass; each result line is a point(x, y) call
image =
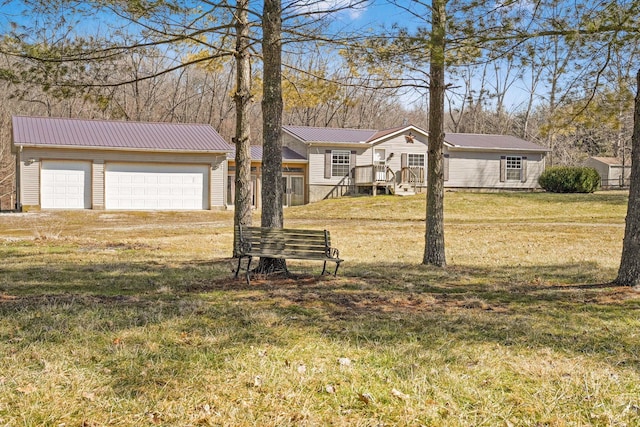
point(133, 318)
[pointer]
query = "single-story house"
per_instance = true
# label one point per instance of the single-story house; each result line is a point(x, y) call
point(501, 162)
point(98, 164)
point(347, 161)
point(101, 164)
point(611, 171)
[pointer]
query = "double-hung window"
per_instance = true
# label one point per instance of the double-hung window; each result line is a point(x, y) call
point(340, 163)
point(415, 160)
point(514, 168)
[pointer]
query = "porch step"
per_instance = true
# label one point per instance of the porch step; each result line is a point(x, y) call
point(405, 191)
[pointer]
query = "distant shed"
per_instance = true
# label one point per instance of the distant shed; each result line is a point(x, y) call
point(611, 171)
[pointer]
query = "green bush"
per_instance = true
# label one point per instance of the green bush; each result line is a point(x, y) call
point(570, 179)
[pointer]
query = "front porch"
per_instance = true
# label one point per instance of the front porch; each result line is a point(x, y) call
point(378, 178)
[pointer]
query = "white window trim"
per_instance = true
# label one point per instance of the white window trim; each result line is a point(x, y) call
point(410, 155)
point(518, 160)
point(346, 153)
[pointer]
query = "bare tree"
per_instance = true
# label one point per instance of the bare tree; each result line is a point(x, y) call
point(242, 97)
point(629, 271)
point(272, 105)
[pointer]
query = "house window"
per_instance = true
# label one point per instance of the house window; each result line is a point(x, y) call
point(340, 162)
point(514, 168)
point(415, 160)
point(231, 190)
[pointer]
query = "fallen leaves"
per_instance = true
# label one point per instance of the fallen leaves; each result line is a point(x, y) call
point(90, 396)
point(27, 389)
point(400, 395)
point(365, 398)
point(344, 361)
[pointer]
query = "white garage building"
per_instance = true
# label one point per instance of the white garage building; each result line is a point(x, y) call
point(98, 164)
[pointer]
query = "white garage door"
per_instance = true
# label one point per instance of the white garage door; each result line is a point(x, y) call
point(65, 185)
point(156, 187)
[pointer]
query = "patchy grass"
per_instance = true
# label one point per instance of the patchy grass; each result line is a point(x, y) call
point(133, 318)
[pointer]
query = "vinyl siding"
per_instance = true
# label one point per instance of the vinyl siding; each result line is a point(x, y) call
point(468, 169)
point(30, 183)
point(399, 146)
point(217, 186)
point(316, 164)
point(364, 157)
point(97, 186)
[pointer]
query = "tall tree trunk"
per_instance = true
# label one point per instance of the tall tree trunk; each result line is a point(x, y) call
point(272, 215)
point(242, 96)
point(629, 272)
point(434, 253)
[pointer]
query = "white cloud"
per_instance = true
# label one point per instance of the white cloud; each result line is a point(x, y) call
point(353, 8)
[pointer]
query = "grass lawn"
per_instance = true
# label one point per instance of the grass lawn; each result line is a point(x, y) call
point(134, 319)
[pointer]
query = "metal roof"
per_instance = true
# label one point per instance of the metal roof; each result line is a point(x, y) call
point(454, 140)
point(333, 135)
point(80, 133)
point(491, 142)
point(256, 153)
point(611, 161)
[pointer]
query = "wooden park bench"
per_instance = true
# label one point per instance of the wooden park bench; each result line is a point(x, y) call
point(283, 243)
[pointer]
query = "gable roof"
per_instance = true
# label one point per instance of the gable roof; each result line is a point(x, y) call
point(385, 133)
point(106, 134)
point(331, 135)
point(490, 142)
point(611, 161)
point(462, 141)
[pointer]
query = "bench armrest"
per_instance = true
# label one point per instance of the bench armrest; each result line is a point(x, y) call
point(245, 246)
point(332, 252)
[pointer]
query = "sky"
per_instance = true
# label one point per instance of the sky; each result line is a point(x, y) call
point(370, 14)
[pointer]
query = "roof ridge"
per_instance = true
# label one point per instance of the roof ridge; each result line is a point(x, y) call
point(329, 127)
point(80, 119)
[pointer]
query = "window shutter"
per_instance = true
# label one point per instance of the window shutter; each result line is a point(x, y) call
point(327, 164)
point(352, 163)
point(403, 160)
point(446, 167)
point(503, 168)
point(523, 170)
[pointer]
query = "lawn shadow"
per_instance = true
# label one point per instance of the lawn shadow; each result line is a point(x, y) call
point(528, 307)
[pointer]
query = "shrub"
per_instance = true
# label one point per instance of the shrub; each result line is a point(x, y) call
point(570, 179)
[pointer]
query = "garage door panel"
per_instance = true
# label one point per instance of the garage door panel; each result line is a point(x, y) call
point(156, 187)
point(65, 185)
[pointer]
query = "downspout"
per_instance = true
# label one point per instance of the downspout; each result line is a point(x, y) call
point(18, 173)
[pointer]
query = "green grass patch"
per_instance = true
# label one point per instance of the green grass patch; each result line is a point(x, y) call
point(118, 318)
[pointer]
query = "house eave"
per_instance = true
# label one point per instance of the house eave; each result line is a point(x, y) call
point(128, 149)
point(338, 144)
point(498, 149)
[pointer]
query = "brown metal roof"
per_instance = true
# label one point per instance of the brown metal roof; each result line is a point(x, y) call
point(491, 142)
point(62, 132)
point(256, 153)
point(454, 140)
point(333, 135)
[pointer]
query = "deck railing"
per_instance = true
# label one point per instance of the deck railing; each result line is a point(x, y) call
point(413, 174)
point(373, 174)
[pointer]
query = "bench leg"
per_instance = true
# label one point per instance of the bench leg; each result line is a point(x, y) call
point(335, 273)
point(324, 268)
point(238, 269)
point(249, 270)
